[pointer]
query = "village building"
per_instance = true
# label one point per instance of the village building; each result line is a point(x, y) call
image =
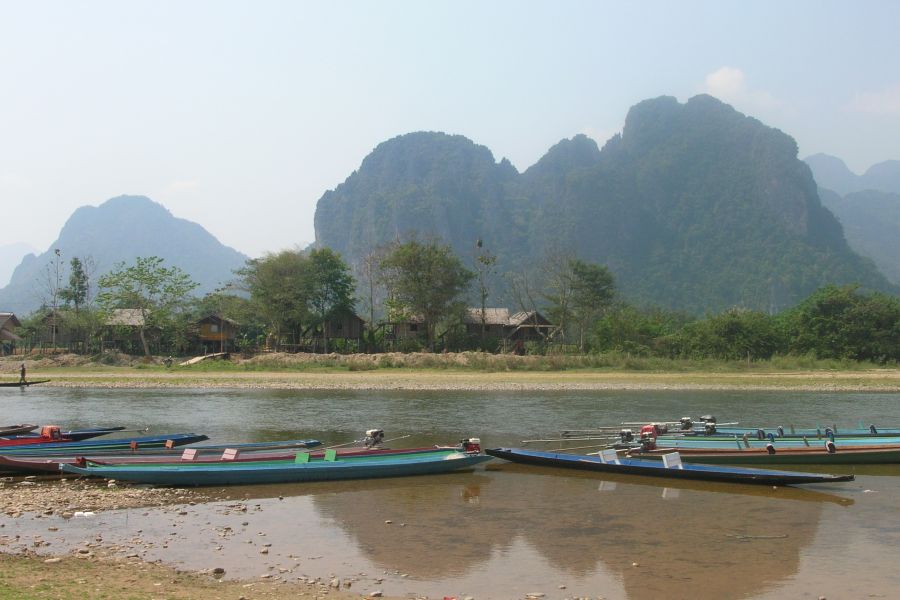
point(216, 334)
point(8, 337)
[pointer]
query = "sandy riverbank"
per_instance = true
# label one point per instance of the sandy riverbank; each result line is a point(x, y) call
point(423, 371)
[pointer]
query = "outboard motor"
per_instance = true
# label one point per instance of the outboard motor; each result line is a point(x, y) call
point(709, 428)
point(649, 431)
point(626, 435)
point(661, 428)
point(648, 437)
point(708, 419)
point(780, 431)
point(686, 424)
point(471, 445)
point(830, 447)
point(770, 448)
point(760, 434)
point(374, 437)
point(771, 437)
point(829, 433)
point(872, 429)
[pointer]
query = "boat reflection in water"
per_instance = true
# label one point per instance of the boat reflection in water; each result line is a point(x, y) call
point(498, 533)
point(528, 526)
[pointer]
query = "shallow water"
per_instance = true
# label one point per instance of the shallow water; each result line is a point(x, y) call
point(503, 530)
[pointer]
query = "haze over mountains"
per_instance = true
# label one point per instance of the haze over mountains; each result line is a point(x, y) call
point(867, 205)
point(120, 230)
point(694, 206)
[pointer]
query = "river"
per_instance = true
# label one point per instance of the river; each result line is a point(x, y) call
point(503, 531)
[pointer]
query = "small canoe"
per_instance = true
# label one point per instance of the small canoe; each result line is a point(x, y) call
point(21, 384)
point(91, 446)
point(669, 467)
point(17, 429)
point(249, 473)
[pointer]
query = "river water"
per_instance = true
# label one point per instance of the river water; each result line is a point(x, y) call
point(503, 530)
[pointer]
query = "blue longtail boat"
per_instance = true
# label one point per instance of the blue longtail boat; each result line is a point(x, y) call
point(609, 462)
point(303, 469)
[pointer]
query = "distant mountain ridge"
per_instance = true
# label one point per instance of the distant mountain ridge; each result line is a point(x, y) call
point(119, 230)
point(832, 173)
point(694, 206)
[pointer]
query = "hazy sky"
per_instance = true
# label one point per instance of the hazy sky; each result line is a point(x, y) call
point(239, 115)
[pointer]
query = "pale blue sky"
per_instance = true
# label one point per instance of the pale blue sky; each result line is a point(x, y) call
point(239, 115)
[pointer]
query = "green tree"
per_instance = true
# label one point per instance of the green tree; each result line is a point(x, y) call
point(732, 335)
point(426, 280)
point(276, 283)
point(76, 294)
point(159, 292)
point(842, 322)
point(328, 287)
point(593, 289)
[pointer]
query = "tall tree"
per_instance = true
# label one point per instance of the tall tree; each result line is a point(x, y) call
point(484, 266)
point(157, 291)
point(329, 288)
point(76, 294)
point(593, 289)
point(426, 280)
point(276, 283)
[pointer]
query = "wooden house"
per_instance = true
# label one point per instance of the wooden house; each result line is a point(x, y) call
point(495, 321)
point(524, 325)
point(122, 329)
point(529, 326)
point(8, 337)
point(216, 334)
point(412, 328)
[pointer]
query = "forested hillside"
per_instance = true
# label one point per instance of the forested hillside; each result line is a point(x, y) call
point(871, 221)
point(694, 206)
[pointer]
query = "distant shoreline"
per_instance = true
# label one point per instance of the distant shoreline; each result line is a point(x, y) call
point(411, 379)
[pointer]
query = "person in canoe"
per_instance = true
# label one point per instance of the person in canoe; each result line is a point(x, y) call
point(22, 374)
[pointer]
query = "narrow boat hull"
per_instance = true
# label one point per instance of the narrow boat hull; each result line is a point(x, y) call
point(248, 474)
point(22, 384)
point(652, 468)
point(791, 456)
point(92, 446)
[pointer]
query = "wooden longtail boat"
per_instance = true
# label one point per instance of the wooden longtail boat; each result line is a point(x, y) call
point(90, 446)
point(195, 455)
point(735, 443)
point(853, 455)
point(75, 435)
point(22, 384)
point(319, 470)
point(670, 467)
point(16, 429)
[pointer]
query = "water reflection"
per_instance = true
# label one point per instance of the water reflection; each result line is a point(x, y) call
point(581, 525)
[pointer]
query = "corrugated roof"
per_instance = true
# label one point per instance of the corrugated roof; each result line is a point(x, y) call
point(130, 317)
point(492, 316)
point(530, 317)
point(8, 320)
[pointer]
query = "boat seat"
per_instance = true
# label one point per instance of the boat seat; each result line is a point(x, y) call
point(189, 454)
point(672, 461)
point(230, 454)
point(301, 457)
point(331, 455)
point(609, 456)
point(170, 444)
